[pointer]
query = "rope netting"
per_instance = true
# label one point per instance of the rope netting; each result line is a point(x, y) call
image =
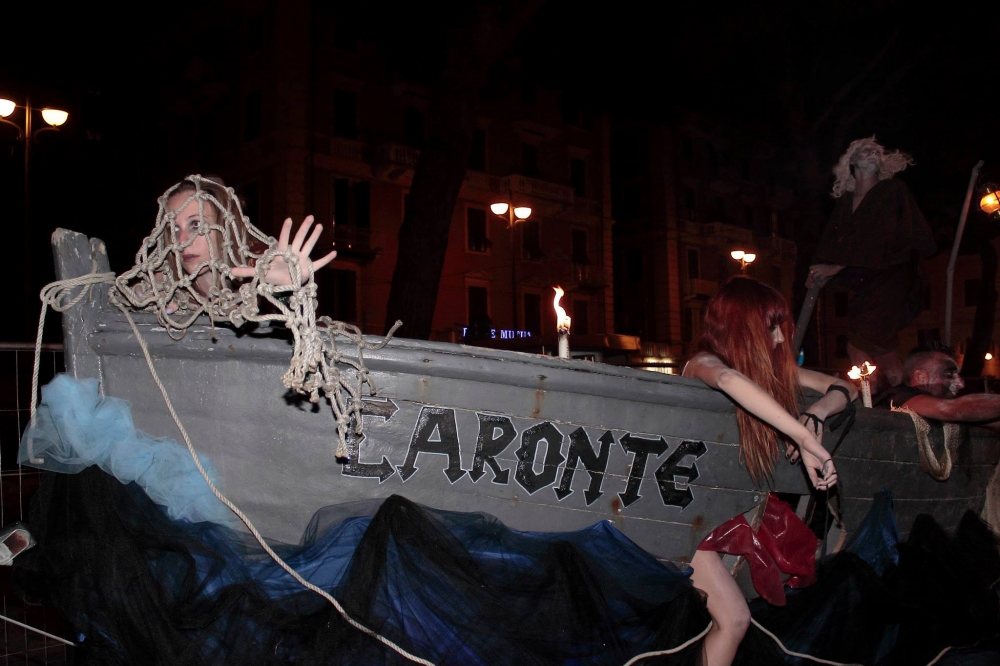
point(184, 270)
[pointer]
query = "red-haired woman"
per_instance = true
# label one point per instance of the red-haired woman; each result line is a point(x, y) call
point(743, 353)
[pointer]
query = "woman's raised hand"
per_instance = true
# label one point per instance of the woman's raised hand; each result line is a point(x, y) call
point(822, 472)
point(278, 273)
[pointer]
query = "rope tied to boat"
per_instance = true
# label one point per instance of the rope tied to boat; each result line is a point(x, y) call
point(938, 468)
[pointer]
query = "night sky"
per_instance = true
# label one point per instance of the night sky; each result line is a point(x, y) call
point(808, 77)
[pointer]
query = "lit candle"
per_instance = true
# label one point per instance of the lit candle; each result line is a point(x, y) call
point(562, 324)
point(863, 374)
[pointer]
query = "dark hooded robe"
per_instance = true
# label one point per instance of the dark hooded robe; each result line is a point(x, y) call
point(879, 244)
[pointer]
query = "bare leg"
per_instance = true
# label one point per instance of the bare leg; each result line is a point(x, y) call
point(726, 605)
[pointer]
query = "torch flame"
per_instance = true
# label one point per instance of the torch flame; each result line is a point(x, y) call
point(562, 320)
point(858, 373)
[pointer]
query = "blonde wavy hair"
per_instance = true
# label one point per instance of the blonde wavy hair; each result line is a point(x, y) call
point(889, 164)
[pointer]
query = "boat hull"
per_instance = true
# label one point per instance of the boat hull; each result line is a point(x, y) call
point(543, 444)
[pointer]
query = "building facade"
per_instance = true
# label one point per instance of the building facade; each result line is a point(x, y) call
point(326, 128)
point(686, 197)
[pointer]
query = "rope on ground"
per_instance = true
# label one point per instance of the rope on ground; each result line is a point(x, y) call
point(659, 653)
point(37, 631)
point(800, 655)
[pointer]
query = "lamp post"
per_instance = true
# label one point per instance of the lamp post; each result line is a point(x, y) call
point(950, 273)
point(53, 118)
point(745, 258)
point(512, 214)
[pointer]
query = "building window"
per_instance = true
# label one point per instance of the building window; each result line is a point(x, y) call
point(581, 318)
point(531, 240)
point(840, 304)
point(345, 114)
point(571, 112)
point(578, 239)
point(351, 203)
point(477, 158)
point(720, 207)
point(687, 149)
point(973, 288)
point(533, 313)
point(633, 265)
point(690, 204)
point(251, 115)
point(694, 264)
point(255, 34)
point(413, 127)
point(687, 324)
point(529, 159)
point(475, 230)
point(479, 305)
point(841, 349)
point(337, 295)
point(578, 176)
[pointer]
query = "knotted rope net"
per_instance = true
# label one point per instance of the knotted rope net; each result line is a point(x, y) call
point(181, 274)
point(938, 468)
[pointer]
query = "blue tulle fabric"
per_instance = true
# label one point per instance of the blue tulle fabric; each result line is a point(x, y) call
point(876, 538)
point(75, 427)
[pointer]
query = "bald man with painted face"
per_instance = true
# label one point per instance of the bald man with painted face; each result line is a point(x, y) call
point(930, 388)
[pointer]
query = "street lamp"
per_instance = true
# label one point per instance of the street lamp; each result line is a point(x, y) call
point(990, 201)
point(744, 258)
point(512, 214)
point(54, 118)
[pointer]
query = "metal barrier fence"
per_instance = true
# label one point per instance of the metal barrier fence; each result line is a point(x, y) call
point(17, 485)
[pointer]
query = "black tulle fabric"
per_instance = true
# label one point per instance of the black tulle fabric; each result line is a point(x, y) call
point(139, 587)
point(941, 591)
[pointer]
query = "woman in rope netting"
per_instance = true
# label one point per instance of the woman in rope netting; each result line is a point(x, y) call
point(144, 561)
point(877, 601)
point(202, 244)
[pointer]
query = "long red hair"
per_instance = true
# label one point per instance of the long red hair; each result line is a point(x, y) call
point(737, 329)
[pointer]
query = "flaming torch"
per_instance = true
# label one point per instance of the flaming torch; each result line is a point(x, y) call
point(857, 373)
point(562, 324)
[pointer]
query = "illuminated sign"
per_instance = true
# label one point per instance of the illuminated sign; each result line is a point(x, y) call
point(503, 333)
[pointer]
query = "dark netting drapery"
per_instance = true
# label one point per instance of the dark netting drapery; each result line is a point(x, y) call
point(939, 591)
point(454, 588)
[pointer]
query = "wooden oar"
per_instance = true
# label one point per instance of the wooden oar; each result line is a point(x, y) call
point(805, 314)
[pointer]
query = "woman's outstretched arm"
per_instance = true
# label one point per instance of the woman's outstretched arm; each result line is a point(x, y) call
point(751, 397)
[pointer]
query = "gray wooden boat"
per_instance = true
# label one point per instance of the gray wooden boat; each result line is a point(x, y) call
point(543, 444)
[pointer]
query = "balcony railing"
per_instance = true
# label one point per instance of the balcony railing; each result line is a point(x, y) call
point(587, 277)
point(395, 154)
point(347, 149)
point(482, 181)
point(538, 188)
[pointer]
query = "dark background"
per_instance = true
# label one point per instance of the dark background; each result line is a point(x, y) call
point(808, 77)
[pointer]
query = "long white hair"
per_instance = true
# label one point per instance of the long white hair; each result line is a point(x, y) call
point(889, 164)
